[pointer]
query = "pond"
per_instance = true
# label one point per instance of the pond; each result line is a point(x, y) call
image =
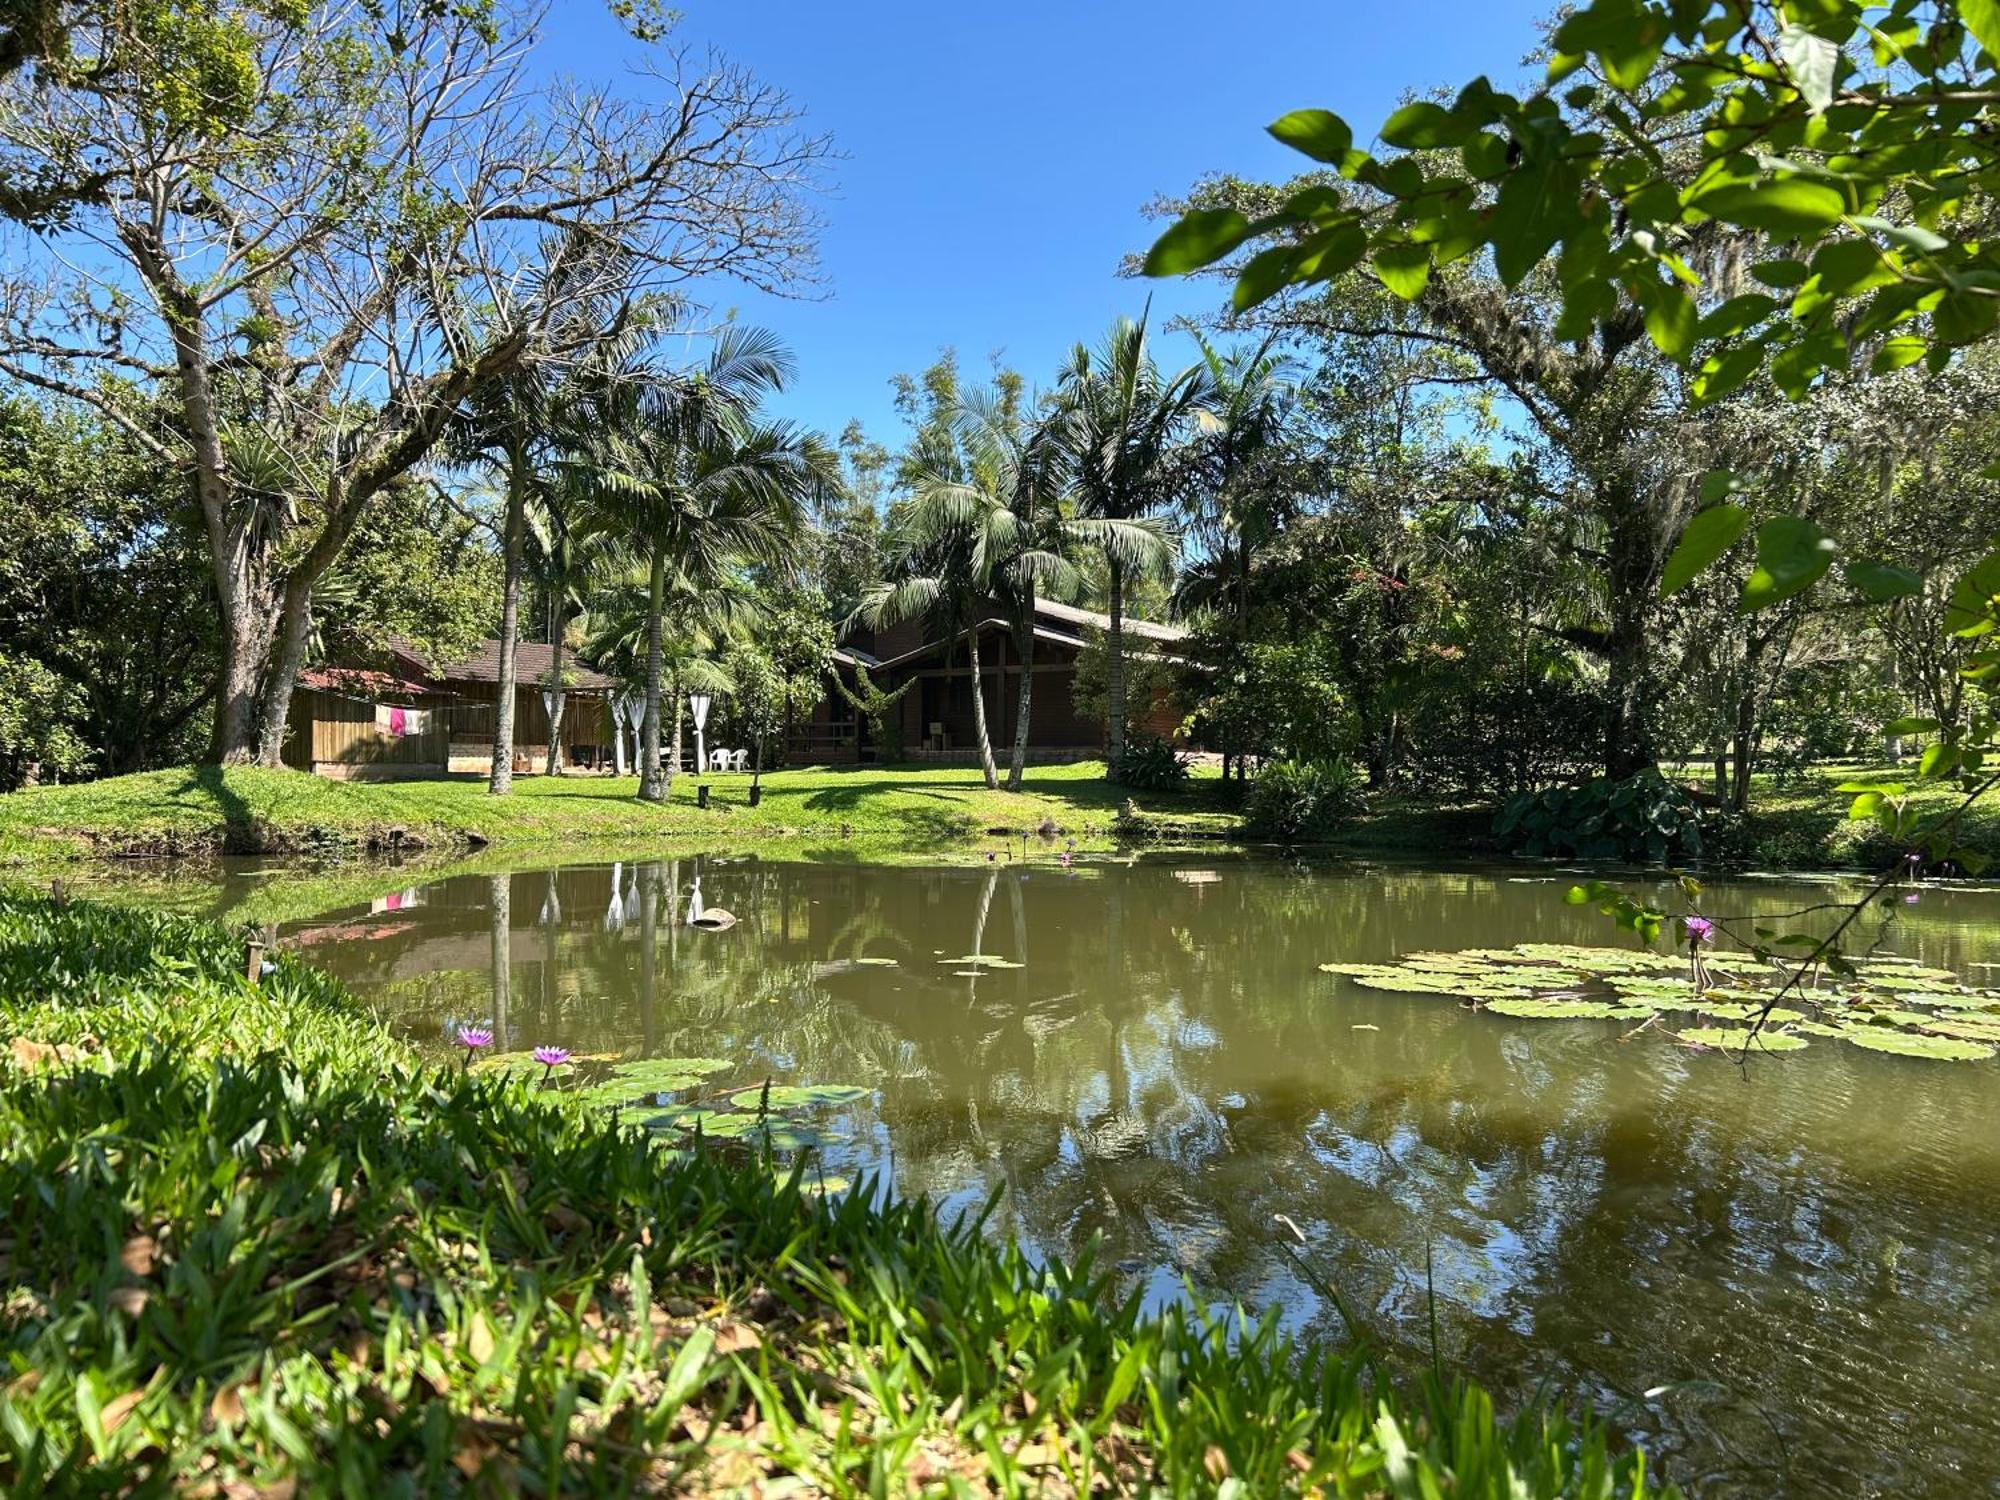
point(1783, 1272)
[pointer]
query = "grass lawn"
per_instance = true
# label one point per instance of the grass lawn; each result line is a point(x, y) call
point(888, 809)
point(1802, 824)
point(875, 813)
point(256, 1246)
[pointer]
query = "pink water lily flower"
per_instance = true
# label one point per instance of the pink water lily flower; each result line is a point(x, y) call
point(473, 1038)
point(550, 1058)
point(1699, 930)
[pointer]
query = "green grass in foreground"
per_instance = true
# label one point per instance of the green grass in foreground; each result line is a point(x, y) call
point(208, 810)
point(254, 1246)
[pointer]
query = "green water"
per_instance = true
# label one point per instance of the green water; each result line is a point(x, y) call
point(1802, 1255)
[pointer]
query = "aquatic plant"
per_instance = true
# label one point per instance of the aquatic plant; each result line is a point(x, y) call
point(550, 1058)
point(1886, 1004)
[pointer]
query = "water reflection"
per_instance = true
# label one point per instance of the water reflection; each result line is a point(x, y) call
point(1807, 1251)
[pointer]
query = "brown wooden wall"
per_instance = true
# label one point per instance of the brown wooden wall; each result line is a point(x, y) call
point(336, 736)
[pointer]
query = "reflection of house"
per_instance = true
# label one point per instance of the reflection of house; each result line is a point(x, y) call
point(421, 719)
point(936, 713)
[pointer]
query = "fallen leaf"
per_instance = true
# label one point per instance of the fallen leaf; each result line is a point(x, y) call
point(139, 1254)
point(131, 1300)
point(733, 1338)
point(479, 1339)
point(475, 1451)
point(30, 1055)
point(226, 1409)
point(115, 1412)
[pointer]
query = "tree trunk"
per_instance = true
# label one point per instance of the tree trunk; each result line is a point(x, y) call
point(281, 672)
point(1114, 666)
point(1744, 751)
point(246, 647)
point(554, 765)
point(1027, 652)
point(651, 787)
point(1632, 578)
point(979, 709)
point(674, 761)
point(501, 780)
point(500, 952)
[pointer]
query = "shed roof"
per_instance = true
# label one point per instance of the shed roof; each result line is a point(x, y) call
point(533, 661)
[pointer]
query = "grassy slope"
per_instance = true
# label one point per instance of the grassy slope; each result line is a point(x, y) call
point(847, 813)
point(910, 808)
point(254, 1247)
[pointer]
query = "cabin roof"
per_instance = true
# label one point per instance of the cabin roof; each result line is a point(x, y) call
point(533, 661)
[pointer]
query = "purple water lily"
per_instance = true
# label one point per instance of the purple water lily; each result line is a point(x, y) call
point(550, 1058)
point(473, 1038)
point(1699, 930)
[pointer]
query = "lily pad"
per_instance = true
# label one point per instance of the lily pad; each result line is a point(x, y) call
point(1913, 1044)
point(633, 1081)
point(799, 1096)
point(731, 1125)
point(1729, 1010)
point(1551, 1010)
point(982, 961)
point(1734, 1038)
point(1971, 1031)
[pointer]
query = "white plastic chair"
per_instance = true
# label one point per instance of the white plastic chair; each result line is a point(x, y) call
point(739, 760)
point(718, 760)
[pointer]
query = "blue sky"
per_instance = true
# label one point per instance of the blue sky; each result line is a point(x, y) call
point(998, 157)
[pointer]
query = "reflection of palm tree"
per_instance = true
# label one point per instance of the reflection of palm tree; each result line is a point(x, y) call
point(500, 920)
point(649, 938)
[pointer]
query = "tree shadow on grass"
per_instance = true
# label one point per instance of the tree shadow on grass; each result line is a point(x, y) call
point(241, 832)
point(842, 798)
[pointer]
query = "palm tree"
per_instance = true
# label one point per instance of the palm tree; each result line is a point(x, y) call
point(504, 431)
point(932, 572)
point(1126, 428)
point(1009, 498)
point(566, 558)
point(698, 485)
point(703, 624)
point(1247, 471)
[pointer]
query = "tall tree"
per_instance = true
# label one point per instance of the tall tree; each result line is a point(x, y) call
point(698, 484)
point(1127, 430)
point(1011, 497)
point(1250, 469)
point(388, 212)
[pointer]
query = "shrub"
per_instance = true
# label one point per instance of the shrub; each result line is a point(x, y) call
point(1150, 764)
point(1293, 800)
point(1644, 819)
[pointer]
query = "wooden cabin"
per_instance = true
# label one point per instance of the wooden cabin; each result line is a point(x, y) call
point(428, 719)
point(936, 714)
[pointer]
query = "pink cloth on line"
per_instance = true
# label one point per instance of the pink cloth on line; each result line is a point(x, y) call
point(396, 721)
